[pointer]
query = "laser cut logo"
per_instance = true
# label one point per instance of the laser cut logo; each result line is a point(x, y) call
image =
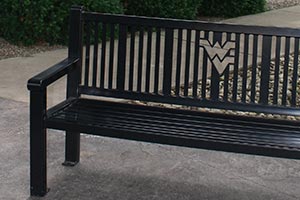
point(220, 55)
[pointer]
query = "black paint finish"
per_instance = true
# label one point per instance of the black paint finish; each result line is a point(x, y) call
point(164, 61)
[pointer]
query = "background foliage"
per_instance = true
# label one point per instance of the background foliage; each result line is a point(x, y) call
point(32, 21)
point(186, 9)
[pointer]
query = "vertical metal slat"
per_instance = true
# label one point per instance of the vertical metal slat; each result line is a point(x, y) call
point(254, 67)
point(187, 63)
point(157, 60)
point(295, 72)
point(121, 57)
point(245, 68)
point(131, 64)
point(226, 74)
point(140, 59)
point(276, 72)
point(168, 61)
point(96, 36)
point(178, 67)
point(87, 54)
point(196, 64)
point(236, 67)
point(286, 70)
point(204, 70)
point(148, 62)
point(265, 70)
point(111, 55)
point(226, 79)
point(103, 52)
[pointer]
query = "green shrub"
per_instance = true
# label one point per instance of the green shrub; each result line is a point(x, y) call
point(31, 21)
point(186, 9)
point(231, 8)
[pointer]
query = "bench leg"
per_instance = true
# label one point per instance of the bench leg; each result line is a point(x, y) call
point(72, 151)
point(38, 145)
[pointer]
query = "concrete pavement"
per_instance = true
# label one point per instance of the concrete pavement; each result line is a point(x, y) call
point(118, 169)
point(286, 17)
point(113, 169)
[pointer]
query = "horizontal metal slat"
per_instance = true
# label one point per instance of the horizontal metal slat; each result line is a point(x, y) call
point(177, 130)
point(197, 122)
point(195, 115)
point(89, 114)
point(248, 107)
point(189, 24)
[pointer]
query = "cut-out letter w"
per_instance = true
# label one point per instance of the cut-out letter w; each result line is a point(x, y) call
point(219, 55)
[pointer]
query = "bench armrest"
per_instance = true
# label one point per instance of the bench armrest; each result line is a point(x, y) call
point(45, 78)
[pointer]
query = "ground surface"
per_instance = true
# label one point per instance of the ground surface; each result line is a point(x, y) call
point(113, 169)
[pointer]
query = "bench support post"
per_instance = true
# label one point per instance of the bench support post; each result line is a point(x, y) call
point(72, 146)
point(72, 151)
point(38, 144)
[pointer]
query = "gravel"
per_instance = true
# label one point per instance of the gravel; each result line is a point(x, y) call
point(8, 50)
point(248, 91)
point(271, 4)
point(277, 4)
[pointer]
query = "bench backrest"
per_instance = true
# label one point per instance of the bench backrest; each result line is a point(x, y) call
point(248, 68)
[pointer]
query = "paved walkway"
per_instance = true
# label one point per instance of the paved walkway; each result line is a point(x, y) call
point(118, 169)
point(286, 17)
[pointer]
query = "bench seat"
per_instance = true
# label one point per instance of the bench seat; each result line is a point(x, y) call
point(279, 138)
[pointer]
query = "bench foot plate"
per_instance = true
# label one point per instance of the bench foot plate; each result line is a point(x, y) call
point(39, 193)
point(69, 163)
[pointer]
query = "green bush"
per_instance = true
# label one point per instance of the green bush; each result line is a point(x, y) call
point(186, 9)
point(31, 21)
point(231, 8)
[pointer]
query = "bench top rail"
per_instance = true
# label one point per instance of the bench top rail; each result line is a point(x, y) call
point(188, 24)
point(215, 65)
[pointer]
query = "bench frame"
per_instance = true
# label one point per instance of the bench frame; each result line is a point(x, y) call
point(72, 67)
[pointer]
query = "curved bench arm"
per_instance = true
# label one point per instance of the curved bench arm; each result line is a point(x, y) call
point(45, 78)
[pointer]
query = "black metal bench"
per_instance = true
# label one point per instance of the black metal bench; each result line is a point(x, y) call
point(188, 63)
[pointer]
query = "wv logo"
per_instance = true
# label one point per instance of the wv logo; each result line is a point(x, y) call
point(220, 55)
